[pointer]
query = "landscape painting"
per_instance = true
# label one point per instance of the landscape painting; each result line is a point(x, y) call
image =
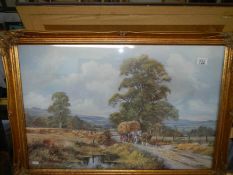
point(141, 107)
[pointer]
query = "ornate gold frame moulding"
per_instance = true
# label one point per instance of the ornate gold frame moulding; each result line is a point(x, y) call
point(11, 40)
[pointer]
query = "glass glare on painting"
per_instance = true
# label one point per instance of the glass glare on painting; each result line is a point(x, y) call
point(121, 106)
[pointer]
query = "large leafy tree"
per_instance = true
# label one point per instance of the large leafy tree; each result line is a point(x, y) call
point(60, 108)
point(143, 93)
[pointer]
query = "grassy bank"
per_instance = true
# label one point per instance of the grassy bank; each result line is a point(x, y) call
point(131, 158)
point(203, 149)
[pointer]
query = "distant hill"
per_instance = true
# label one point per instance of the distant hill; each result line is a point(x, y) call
point(187, 125)
point(36, 112)
point(96, 120)
point(181, 125)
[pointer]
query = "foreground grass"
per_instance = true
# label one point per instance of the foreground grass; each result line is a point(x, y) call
point(196, 148)
point(58, 148)
point(59, 156)
point(131, 158)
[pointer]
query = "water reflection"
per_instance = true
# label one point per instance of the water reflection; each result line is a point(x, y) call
point(99, 161)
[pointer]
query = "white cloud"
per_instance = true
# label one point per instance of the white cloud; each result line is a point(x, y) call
point(88, 106)
point(70, 82)
point(36, 100)
point(184, 77)
point(197, 105)
point(81, 106)
point(99, 82)
point(42, 70)
point(89, 89)
point(100, 78)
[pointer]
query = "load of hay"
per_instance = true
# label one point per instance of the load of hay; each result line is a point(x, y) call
point(129, 126)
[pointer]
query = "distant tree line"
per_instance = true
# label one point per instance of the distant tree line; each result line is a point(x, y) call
point(202, 131)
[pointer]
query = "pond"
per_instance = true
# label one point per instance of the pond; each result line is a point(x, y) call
point(107, 161)
point(100, 161)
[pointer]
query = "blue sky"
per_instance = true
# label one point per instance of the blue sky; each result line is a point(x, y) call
point(90, 76)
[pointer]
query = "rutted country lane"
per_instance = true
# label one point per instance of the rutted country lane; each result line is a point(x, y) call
point(177, 159)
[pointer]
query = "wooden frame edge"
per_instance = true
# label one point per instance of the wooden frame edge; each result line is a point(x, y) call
point(15, 107)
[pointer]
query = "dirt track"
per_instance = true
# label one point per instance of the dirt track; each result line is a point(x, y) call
point(177, 159)
point(174, 158)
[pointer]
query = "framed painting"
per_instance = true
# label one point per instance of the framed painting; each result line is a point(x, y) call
point(110, 103)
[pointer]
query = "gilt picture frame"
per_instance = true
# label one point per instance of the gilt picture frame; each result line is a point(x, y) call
point(113, 103)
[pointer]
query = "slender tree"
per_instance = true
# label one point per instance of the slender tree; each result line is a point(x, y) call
point(60, 108)
point(143, 93)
